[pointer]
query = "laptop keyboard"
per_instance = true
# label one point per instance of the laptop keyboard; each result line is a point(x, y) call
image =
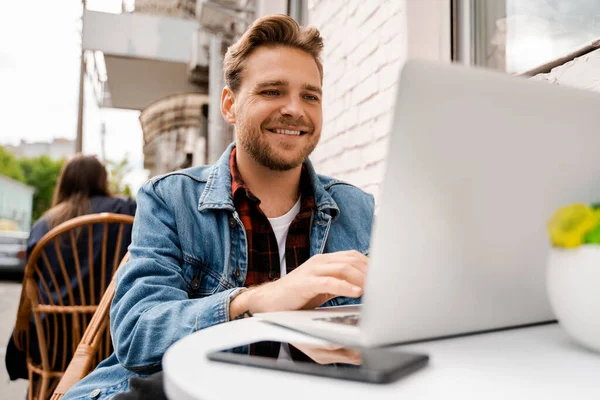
point(351, 319)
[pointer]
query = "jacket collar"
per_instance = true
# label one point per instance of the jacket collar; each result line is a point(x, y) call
point(217, 192)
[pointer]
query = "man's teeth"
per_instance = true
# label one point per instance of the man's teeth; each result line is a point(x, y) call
point(286, 132)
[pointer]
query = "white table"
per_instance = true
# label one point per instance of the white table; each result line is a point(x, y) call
point(530, 363)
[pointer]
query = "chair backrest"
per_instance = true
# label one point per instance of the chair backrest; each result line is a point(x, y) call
point(67, 273)
point(95, 346)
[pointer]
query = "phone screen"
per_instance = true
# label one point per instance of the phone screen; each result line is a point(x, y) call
point(361, 364)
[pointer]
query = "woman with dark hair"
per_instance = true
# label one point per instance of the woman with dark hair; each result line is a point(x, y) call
point(82, 188)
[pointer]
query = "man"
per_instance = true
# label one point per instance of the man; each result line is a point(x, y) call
point(260, 231)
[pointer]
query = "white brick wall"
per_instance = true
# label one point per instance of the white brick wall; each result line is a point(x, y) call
point(365, 45)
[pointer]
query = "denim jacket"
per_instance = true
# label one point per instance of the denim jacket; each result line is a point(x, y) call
point(189, 257)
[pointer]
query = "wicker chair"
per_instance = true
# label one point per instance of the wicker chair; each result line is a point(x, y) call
point(63, 298)
point(95, 346)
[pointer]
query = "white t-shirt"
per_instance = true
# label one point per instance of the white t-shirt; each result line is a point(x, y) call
point(281, 227)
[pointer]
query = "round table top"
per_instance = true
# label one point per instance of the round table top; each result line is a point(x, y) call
point(536, 362)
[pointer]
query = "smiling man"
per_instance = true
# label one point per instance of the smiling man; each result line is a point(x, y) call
point(259, 231)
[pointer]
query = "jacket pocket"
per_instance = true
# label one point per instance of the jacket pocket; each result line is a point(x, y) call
point(200, 280)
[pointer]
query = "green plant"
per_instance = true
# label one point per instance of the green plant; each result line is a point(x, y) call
point(117, 172)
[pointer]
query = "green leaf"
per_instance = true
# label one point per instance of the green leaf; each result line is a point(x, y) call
point(9, 166)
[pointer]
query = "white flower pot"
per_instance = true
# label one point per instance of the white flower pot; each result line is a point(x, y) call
point(573, 279)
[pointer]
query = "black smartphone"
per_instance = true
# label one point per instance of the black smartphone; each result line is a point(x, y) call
point(356, 364)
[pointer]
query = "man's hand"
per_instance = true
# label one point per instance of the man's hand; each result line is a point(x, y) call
point(312, 284)
point(330, 354)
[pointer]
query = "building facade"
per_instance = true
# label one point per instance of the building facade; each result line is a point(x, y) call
point(366, 44)
point(160, 50)
point(56, 149)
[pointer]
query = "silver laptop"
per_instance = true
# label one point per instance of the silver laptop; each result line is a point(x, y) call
point(477, 163)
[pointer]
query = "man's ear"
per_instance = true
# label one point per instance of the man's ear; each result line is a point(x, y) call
point(227, 105)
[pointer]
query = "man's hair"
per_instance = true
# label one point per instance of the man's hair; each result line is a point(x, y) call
point(271, 30)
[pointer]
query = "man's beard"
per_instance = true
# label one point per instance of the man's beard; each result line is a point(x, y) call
point(253, 142)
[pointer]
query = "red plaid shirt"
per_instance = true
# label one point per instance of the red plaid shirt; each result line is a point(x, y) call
point(263, 251)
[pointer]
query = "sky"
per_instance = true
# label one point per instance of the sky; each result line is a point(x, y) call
point(39, 82)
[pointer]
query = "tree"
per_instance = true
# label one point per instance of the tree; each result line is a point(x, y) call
point(9, 165)
point(41, 173)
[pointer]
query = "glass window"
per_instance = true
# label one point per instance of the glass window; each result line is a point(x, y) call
point(298, 9)
point(518, 35)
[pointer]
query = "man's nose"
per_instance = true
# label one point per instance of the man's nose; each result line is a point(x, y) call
point(292, 108)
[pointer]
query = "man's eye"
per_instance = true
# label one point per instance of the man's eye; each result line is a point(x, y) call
point(310, 97)
point(270, 93)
